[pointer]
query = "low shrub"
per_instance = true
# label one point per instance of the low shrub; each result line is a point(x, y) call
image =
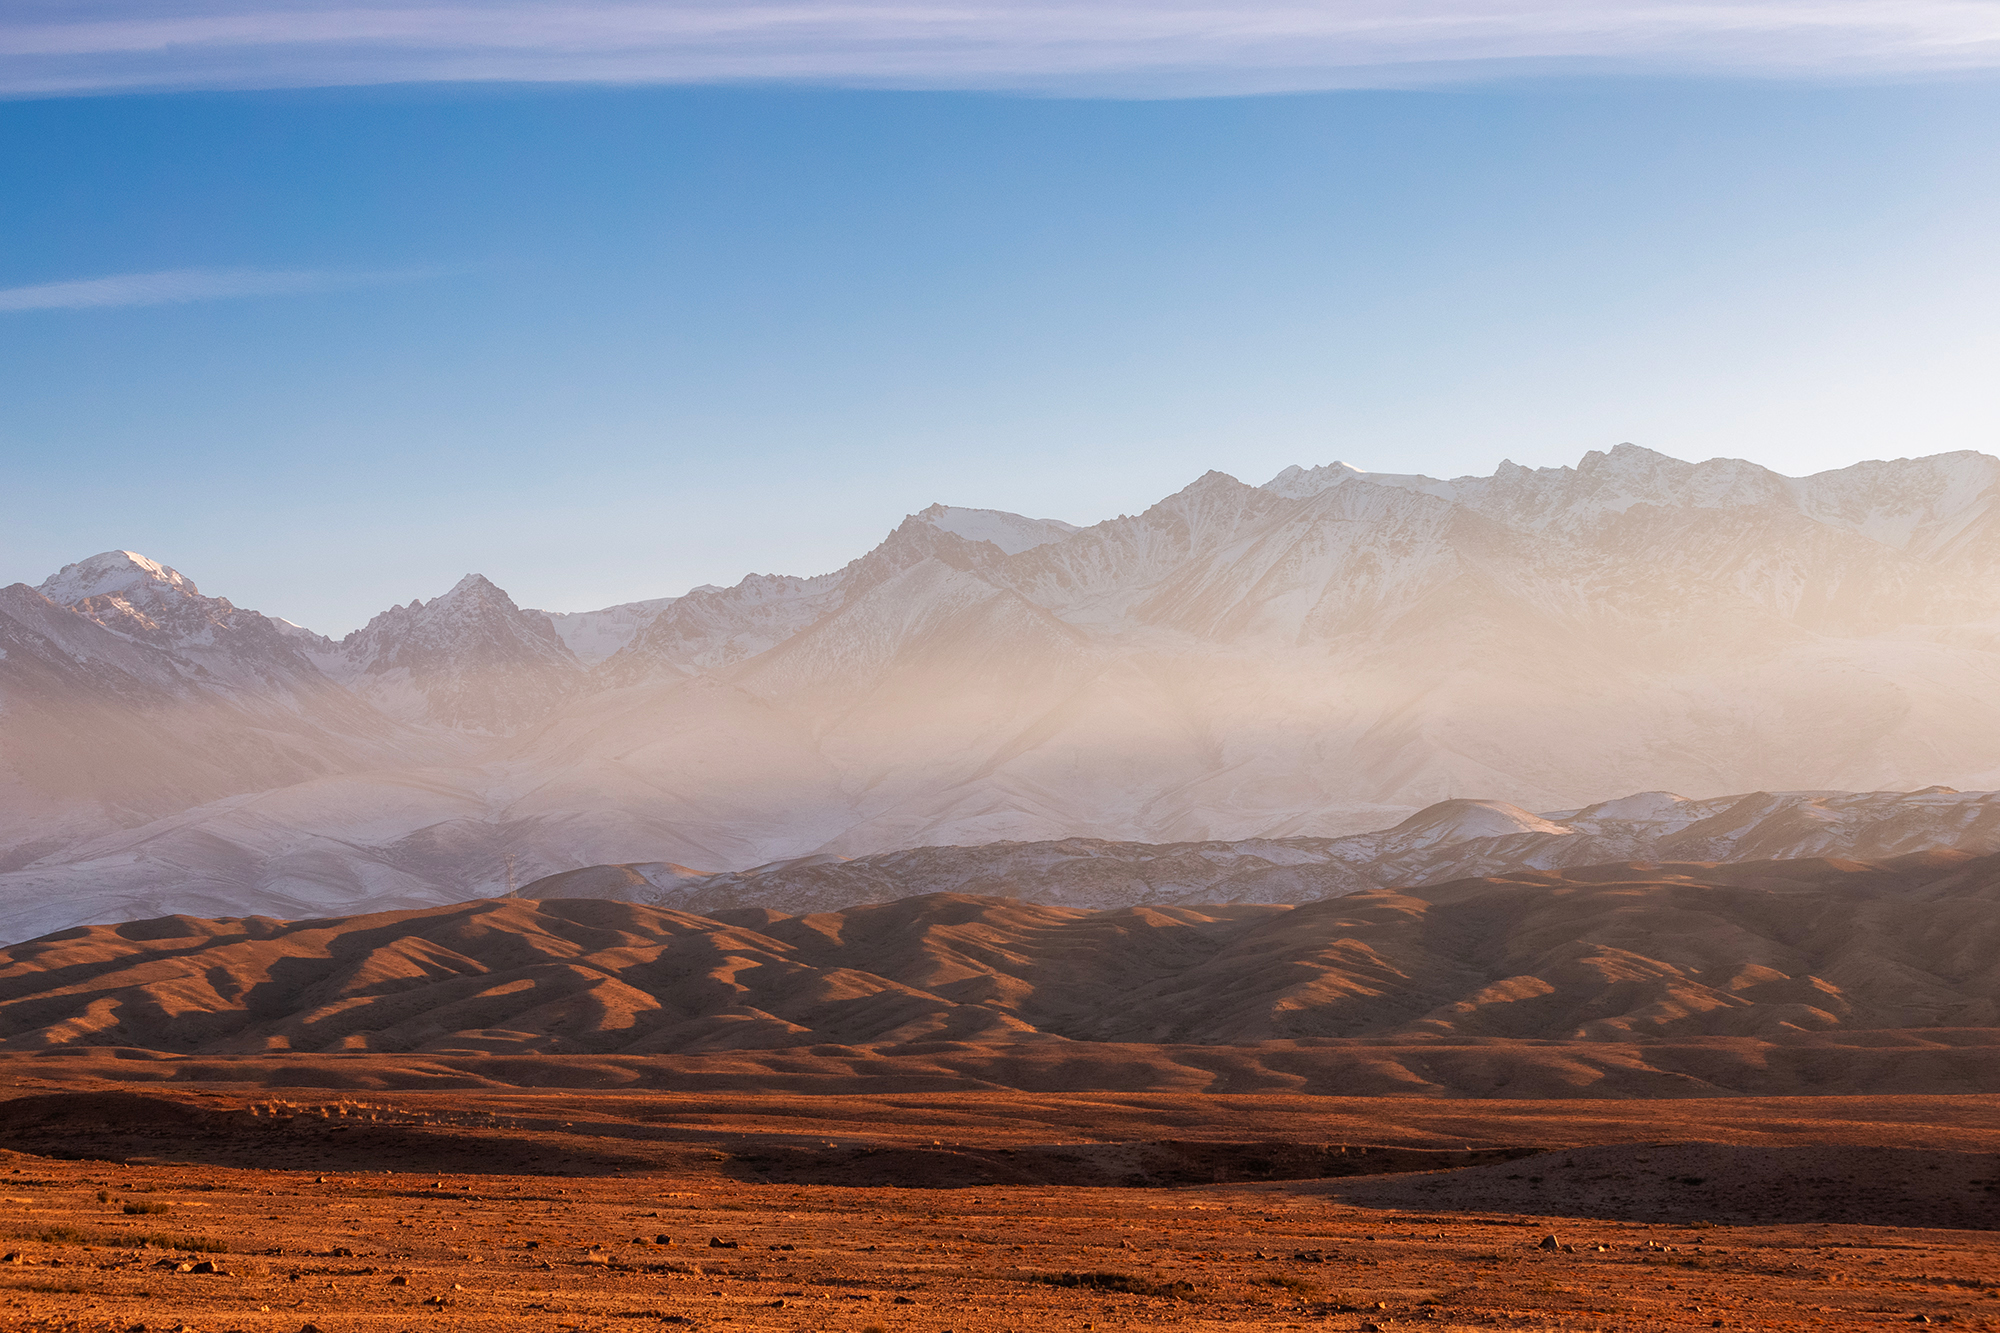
point(1126, 1283)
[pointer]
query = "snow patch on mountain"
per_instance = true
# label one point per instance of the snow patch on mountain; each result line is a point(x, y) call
point(1918, 505)
point(595, 635)
point(112, 572)
point(468, 660)
point(1012, 533)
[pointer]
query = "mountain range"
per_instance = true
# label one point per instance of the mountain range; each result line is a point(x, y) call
point(1321, 655)
point(1452, 840)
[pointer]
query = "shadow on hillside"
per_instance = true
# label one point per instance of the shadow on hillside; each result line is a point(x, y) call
point(135, 1128)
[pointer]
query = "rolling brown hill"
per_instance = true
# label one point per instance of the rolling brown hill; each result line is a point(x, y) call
point(1591, 971)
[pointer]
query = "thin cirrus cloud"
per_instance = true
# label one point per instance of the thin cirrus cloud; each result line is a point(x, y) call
point(1148, 46)
point(175, 286)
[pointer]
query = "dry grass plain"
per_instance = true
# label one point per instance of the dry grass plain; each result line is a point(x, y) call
point(987, 1212)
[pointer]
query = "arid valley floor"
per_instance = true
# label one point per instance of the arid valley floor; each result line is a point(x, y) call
point(215, 1207)
point(1628, 1097)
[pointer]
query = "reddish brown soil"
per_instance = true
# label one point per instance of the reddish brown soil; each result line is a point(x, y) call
point(543, 1210)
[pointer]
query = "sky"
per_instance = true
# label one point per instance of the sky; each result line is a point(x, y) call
point(327, 305)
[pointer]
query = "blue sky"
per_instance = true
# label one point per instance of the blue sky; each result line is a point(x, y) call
point(328, 347)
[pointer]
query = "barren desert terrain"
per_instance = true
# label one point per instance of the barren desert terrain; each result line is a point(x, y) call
point(233, 1209)
point(1630, 1097)
point(1778, 952)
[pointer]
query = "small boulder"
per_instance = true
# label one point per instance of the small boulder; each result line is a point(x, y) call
point(1549, 1242)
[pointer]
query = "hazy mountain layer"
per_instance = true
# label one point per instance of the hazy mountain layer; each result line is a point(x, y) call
point(1600, 954)
point(1450, 840)
point(1317, 656)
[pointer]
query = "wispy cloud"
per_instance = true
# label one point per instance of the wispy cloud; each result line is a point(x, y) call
point(1179, 45)
point(174, 286)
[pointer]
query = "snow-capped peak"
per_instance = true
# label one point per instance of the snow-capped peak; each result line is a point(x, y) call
point(111, 572)
point(474, 606)
point(468, 659)
point(1296, 483)
point(476, 589)
point(1012, 533)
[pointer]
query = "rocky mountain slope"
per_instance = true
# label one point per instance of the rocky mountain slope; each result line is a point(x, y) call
point(1321, 655)
point(126, 695)
point(1618, 953)
point(469, 661)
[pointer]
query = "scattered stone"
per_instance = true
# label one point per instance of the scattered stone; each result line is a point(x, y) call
point(717, 1243)
point(1549, 1242)
point(399, 1281)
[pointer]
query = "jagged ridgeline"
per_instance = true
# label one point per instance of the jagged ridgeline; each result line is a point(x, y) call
point(1308, 659)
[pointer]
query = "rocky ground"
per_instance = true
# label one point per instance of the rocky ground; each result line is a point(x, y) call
point(447, 1211)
